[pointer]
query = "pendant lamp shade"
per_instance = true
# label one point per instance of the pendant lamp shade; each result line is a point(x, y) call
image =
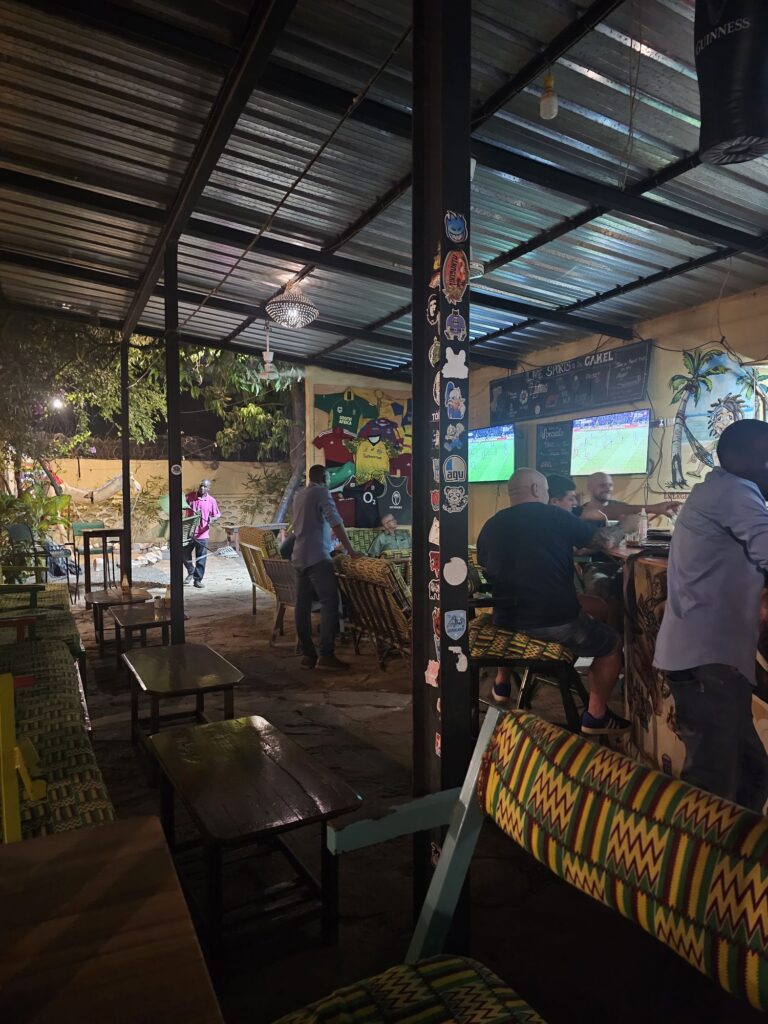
point(291, 308)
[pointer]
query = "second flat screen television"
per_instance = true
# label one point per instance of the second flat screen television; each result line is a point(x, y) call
point(491, 452)
point(616, 443)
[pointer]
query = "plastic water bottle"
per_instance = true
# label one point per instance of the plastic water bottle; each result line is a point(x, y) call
point(642, 526)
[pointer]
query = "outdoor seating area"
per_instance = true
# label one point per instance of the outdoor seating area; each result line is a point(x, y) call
point(384, 512)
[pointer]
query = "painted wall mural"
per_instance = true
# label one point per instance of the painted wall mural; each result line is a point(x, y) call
point(710, 391)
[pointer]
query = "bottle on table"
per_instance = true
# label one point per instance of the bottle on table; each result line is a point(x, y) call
point(642, 526)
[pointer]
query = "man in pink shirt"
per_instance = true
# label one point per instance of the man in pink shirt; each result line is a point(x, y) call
point(200, 501)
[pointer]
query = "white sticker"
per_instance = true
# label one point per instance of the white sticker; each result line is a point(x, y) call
point(455, 365)
point(455, 571)
point(434, 533)
point(461, 659)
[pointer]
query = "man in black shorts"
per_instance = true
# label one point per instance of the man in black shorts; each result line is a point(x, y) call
point(527, 553)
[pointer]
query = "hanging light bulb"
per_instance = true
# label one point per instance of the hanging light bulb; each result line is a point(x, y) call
point(291, 308)
point(548, 101)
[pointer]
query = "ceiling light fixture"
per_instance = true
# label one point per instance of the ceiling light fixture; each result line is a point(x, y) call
point(291, 308)
point(548, 100)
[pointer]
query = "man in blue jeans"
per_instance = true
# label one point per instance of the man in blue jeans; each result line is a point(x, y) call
point(708, 637)
point(315, 518)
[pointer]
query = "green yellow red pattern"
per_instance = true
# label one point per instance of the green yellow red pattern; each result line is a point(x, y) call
point(689, 868)
point(437, 991)
point(489, 641)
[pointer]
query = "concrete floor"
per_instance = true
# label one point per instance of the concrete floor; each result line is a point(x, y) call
point(571, 958)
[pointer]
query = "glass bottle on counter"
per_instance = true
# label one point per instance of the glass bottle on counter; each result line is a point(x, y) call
point(642, 526)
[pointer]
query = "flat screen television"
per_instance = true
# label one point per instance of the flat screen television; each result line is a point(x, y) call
point(615, 443)
point(491, 453)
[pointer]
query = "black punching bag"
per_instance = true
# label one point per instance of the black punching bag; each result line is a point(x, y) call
point(731, 39)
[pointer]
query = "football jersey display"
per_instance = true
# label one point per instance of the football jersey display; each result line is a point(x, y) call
point(401, 465)
point(331, 442)
point(371, 459)
point(346, 409)
point(346, 507)
point(366, 505)
point(396, 500)
point(383, 428)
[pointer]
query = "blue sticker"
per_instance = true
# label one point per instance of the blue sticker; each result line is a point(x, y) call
point(455, 403)
point(454, 470)
point(455, 624)
point(455, 326)
point(456, 227)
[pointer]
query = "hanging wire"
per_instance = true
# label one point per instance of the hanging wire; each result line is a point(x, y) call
point(635, 59)
point(318, 153)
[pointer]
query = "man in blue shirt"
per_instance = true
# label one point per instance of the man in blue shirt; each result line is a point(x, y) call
point(708, 637)
point(315, 517)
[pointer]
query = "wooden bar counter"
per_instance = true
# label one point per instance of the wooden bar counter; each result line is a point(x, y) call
point(94, 926)
point(649, 704)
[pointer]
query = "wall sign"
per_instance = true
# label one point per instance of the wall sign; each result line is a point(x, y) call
point(613, 376)
point(553, 448)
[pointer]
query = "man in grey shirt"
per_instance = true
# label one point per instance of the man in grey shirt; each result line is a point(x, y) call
point(708, 637)
point(314, 517)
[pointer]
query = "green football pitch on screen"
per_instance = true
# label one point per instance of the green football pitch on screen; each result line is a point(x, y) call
point(491, 454)
point(616, 443)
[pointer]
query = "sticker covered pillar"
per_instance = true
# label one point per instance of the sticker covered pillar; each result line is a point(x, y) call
point(443, 703)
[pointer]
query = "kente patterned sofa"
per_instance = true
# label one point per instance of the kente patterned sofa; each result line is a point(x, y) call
point(49, 715)
point(686, 867)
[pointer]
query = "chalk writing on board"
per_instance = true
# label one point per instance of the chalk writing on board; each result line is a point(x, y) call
point(553, 448)
point(610, 377)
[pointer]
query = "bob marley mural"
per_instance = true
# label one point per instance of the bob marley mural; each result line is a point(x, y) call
point(711, 393)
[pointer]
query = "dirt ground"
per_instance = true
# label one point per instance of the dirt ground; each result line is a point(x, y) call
point(571, 958)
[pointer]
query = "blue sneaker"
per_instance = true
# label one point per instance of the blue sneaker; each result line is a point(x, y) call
point(501, 692)
point(610, 724)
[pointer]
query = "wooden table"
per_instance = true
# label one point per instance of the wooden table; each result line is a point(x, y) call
point(243, 782)
point(100, 600)
point(94, 927)
point(139, 618)
point(181, 670)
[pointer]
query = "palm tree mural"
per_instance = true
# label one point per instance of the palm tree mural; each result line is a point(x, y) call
point(700, 367)
point(753, 385)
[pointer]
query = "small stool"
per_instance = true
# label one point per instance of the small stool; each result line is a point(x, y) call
point(493, 646)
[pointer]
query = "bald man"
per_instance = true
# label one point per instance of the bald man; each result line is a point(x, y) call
point(600, 488)
point(527, 553)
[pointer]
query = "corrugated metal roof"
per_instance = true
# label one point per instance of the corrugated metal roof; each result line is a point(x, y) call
point(120, 117)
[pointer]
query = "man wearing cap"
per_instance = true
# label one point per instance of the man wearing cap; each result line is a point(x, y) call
point(203, 504)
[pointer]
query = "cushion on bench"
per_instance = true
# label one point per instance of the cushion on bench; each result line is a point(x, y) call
point(489, 641)
point(435, 991)
point(689, 868)
point(50, 715)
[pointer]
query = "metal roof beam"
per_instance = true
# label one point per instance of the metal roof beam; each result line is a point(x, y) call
point(190, 339)
point(151, 33)
point(267, 20)
point(288, 251)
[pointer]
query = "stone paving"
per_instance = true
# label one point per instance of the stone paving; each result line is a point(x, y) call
point(571, 958)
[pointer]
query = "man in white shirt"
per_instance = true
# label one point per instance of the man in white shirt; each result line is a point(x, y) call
point(708, 637)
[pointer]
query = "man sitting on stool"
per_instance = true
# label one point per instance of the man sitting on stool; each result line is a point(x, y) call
point(391, 539)
point(527, 553)
point(200, 501)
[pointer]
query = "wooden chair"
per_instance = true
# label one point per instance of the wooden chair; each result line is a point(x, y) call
point(282, 577)
point(255, 546)
point(683, 865)
point(378, 604)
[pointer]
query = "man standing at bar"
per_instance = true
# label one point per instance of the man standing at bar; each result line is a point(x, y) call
point(527, 553)
point(204, 504)
point(708, 637)
point(315, 516)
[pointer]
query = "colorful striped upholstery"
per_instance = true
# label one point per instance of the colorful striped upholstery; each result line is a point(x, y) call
point(488, 641)
point(50, 714)
point(435, 991)
point(689, 868)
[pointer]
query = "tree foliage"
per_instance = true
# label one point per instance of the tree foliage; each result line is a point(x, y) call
point(43, 360)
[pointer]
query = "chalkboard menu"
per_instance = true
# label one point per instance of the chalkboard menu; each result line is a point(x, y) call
point(614, 376)
point(553, 448)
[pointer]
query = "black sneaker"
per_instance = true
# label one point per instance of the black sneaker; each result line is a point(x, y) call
point(308, 661)
point(199, 584)
point(610, 724)
point(331, 661)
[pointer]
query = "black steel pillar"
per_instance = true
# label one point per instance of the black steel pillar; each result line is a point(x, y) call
point(125, 441)
point(173, 416)
point(443, 705)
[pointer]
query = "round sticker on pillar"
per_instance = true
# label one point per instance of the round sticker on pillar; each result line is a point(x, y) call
point(434, 351)
point(455, 226)
point(455, 276)
point(454, 470)
point(433, 310)
point(455, 571)
point(455, 326)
